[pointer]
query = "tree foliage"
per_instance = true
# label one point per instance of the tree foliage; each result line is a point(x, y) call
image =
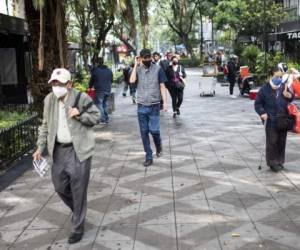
point(248, 17)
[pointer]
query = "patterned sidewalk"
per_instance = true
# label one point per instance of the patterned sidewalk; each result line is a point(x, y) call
point(205, 193)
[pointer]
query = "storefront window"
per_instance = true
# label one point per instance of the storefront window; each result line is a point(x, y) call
point(8, 66)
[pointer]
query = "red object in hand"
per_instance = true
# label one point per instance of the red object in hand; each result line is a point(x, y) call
point(253, 94)
point(293, 110)
point(296, 88)
point(92, 93)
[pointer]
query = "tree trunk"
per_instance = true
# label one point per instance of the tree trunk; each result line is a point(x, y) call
point(201, 35)
point(52, 55)
point(143, 9)
point(85, 55)
point(185, 41)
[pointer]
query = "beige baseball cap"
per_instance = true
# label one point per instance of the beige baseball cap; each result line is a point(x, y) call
point(62, 75)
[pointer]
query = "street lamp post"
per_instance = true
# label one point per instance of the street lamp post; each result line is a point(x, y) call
point(265, 37)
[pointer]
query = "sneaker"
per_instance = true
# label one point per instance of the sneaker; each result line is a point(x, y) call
point(148, 163)
point(75, 237)
point(159, 151)
point(275, 168)
point(178, 112)
point(133, 101)
point(174, 115)
point(103, 122)
point(232, 96)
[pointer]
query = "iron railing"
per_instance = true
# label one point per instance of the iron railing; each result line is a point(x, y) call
point(18, 139)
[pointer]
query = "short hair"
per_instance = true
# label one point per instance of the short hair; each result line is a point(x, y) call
point(174, 57)
point(156, 54)
point(99, 60)
point(274, 70)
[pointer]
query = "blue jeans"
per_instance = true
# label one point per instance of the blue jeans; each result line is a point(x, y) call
point(149, 123)
point(101, 103)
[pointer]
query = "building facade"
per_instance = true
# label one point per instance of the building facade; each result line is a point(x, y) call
point(13, 53)
point(287, 35)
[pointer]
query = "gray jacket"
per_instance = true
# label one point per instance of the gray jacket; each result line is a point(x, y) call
point(148, 87)
point(81, 128)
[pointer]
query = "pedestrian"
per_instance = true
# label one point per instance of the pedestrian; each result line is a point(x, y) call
point(150, 87)
point(175, 75)
point(67, 131)
point(166, 62)
point(101, 80)
point(272, 100)
point(132, 87)
point(126, 76)
point(231, 76)
point(156, 58)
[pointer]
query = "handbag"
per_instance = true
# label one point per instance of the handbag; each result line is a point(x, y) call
point(178, 80)
point(293, 110)
point(285, 122)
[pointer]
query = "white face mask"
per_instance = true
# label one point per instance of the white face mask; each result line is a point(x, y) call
point(59, 91)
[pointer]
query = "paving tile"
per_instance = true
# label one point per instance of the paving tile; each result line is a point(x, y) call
point(204, 193)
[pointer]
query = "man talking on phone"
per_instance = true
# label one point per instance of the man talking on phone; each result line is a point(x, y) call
point(150, 80)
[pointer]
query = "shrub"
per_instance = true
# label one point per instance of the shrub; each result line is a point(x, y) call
point(250, 54)
point(8, 119)
point(190, 62)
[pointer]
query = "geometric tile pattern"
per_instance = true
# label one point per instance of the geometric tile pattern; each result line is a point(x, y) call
point(204, 193)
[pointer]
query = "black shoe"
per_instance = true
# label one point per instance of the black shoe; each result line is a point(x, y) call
point(178, 112)
point(159, 152)
point(124, 95)
point(281, 166)
point(75, 237)
point(275, 168)
point(174, 115)
point(148, 163)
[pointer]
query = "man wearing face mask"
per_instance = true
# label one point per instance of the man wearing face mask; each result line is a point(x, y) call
point(150, 80)
point(272, 100)
point(67, 131)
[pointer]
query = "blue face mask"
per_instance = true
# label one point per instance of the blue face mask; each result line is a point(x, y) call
point(276, 81)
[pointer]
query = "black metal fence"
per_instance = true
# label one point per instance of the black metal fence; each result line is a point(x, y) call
point(20, 138)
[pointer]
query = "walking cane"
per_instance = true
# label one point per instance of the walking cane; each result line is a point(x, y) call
point(264, 143)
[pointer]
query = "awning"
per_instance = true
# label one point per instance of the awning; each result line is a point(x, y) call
point(285, 36)
point(12, 25)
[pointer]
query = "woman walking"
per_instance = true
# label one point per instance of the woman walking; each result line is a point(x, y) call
point(176, 74)
point(271, 105)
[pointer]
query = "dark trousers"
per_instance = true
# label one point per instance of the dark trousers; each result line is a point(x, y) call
point(275, 146)
point(177, 97)
point(70, 178)
point(231, 85)
point(149, 122)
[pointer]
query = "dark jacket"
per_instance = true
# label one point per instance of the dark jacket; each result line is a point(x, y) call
point(173, 75)
point(164, 64)
point(271, 102)
point(101, 79)
point(231, 70)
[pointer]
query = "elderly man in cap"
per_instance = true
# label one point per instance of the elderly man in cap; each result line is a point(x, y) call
point(67, 131)
point(150, 88)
